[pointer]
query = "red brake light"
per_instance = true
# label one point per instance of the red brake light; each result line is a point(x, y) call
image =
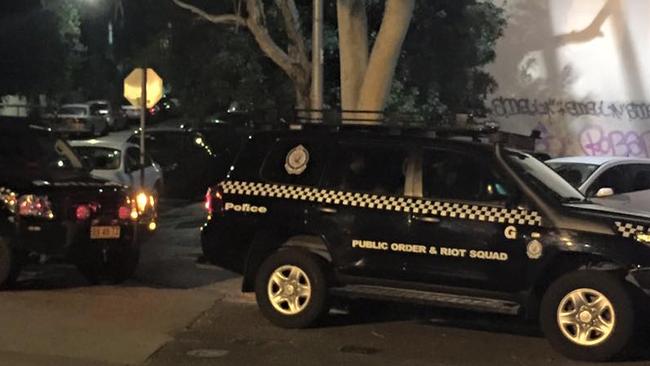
point(124, 213)
point(214, 200)
point(208, 201)
point(82, 212)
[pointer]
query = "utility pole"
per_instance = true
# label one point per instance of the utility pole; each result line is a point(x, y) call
point(143, 117)
point(317, 62)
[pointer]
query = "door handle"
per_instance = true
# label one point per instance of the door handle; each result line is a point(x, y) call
point(427, 219)
point(328, 210)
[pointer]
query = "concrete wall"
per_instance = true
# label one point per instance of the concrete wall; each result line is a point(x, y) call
point(14, 106)
point(578, 70)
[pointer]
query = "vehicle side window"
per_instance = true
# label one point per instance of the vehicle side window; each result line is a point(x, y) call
point(368, 168)
point(450, 175)
point(639, 175)
point(295, 162)
point(131, 159)
point(614, 178)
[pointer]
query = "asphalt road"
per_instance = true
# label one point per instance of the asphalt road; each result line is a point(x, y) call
point(180, 312)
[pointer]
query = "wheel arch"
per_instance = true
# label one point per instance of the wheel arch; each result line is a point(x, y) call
point(264, 245)
point(563, 263)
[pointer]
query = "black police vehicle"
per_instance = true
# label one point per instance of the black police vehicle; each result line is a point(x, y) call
point(307, 215)
point(50, 207)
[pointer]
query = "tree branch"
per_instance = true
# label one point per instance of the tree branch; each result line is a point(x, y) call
point(213, 18)
point(293, 29)
point(255, 24)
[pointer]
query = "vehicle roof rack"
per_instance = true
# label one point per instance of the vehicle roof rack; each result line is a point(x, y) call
point(478, 129)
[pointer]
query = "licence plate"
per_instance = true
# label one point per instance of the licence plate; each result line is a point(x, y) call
point(104, 232)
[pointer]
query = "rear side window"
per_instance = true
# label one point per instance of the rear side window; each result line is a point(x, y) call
point(374, 169)
point(295, 161)
point(639, 177)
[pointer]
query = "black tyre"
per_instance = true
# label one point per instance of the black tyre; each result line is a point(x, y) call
point(113, 267)
point(9, 264)
point(291, 288)
point(588, 315)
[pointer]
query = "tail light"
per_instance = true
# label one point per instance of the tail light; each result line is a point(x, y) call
point(35, 206)
point(124, 213)
point(82, 212)
point(214, 200)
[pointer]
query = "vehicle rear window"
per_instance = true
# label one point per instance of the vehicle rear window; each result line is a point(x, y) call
point(369, 168)
point(295, 161)
point(101, 158)
point(77, 111)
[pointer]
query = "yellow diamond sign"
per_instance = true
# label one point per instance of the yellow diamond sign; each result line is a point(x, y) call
point(133, 87)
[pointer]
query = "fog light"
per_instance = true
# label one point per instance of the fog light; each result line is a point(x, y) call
point(152, 226)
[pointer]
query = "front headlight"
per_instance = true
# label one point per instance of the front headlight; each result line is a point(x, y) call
point(642, 237)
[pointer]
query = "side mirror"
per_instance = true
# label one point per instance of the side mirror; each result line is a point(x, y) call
point(604, 192)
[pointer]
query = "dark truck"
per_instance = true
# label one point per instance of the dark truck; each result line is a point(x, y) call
point(50, 207)
point(377, 213)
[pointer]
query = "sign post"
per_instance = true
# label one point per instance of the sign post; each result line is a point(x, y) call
point(143, 88)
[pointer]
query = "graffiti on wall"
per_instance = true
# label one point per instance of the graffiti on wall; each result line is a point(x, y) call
point(595, 140)
point(510, 107)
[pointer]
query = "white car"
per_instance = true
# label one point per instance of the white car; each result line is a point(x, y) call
point(116, 160)
point(601, 176)
point(78, 119)
point(115, 117)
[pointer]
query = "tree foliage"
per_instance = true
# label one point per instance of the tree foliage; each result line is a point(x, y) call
point(32, 50)
point(440, 70)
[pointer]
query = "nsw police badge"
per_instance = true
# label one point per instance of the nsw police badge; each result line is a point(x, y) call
point(296, 161)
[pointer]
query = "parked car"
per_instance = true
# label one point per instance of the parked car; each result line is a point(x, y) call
point(309, 214)
point(77, 120)
point(601, 176)
point(131, 112)
point(115, 117)
point(118, 161)
point(51, 207)
point(189, 163)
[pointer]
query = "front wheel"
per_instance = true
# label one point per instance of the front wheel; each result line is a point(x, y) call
point(588, 315)
point(291, 289)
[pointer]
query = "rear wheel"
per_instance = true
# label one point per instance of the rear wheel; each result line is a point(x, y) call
point(291, 289)
point(10, 264)
point(588, 315)
point(110, 266)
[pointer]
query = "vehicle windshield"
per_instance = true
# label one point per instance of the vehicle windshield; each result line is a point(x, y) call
point(76, 111)
point(37, 151)
point(574, 173)
point(543, 177)
point(101, 158)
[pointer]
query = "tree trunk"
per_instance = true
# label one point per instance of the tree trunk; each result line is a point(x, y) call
point(353, 49)
point(385, 54)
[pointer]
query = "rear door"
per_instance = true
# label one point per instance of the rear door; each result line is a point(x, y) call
point(360, 212)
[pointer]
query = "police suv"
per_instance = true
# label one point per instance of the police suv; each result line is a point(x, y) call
point(373, 213)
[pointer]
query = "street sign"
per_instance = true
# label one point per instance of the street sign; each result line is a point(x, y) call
point(133, 87)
